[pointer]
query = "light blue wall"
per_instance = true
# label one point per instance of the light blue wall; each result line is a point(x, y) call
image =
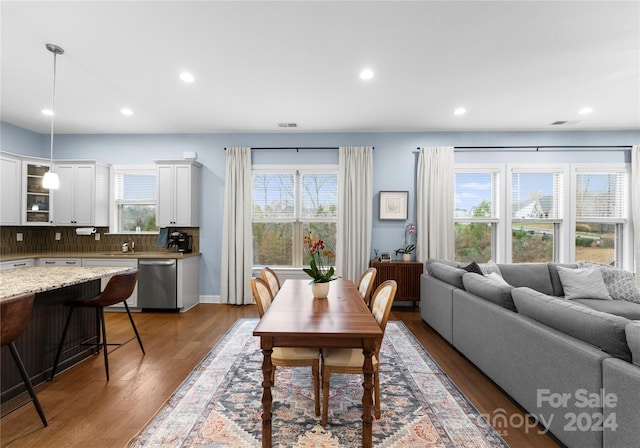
point(394, 164)
point(20, 141)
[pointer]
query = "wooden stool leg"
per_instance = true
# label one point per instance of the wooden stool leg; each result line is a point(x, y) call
point(27, 382)
point(104, 340)
point(134, 327)
point(59, 352)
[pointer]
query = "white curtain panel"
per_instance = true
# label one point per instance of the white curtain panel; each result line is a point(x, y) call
point(635, 206)
point(355, 210)
point(236, 264)
point(434, 196)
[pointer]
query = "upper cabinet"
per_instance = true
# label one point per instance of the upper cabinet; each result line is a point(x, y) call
point(36, 200)
point(83, 196)
point(10, 180)
point(178, 194)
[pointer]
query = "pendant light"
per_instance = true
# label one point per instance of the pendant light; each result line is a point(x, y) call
point(51, 181)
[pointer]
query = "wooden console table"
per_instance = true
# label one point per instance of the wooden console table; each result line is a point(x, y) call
point(405, 273)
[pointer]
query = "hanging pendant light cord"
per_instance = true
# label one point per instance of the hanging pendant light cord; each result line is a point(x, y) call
point(56, 50)
point(53, 103)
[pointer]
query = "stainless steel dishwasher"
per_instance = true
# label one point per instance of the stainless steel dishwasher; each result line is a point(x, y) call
point(157, 284)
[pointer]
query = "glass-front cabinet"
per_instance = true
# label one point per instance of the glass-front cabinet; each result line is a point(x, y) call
point(36, 204)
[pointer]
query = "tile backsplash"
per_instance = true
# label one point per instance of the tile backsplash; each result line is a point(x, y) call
point(43, 240)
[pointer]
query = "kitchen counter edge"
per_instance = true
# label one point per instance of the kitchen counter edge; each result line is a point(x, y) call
point(108, 255)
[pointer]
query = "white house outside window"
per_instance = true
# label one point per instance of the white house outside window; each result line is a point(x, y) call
point(537, 213)
point(286, 203)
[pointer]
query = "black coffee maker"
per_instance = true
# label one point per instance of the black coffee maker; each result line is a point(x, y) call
point(180, 242)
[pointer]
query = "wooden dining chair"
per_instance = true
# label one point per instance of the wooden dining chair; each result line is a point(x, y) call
point(350, 360)
point(269, 276)
point(288, 356)
point(14, 316)
point(118, 290)
point(365, 284)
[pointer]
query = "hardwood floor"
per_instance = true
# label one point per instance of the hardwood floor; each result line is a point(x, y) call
point(83, 409)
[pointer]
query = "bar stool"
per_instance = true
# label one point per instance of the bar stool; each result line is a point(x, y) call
point(14, 315)
point(118, 289)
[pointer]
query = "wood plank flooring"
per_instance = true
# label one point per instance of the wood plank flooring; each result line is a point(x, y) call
point(84, 410)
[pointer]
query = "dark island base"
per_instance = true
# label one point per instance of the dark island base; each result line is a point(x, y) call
point(38, 344)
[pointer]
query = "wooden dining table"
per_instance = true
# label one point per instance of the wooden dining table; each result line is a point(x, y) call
point(297, 319)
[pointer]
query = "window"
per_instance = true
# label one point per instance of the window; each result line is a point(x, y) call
point(135, 199)
point(601, 208)
point(286, 204)
point(476, 214)
point(537, 207)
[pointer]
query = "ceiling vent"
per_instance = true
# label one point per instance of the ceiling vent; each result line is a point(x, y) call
point(287, 125)
point(559, 122)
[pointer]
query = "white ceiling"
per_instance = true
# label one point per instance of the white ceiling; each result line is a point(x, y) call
point(514, 65)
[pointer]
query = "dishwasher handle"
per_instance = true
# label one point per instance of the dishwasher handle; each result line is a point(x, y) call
point(156, 262)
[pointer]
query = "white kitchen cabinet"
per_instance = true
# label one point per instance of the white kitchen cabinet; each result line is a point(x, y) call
point(36, 200)
point(83, 196)
point(178, 193)
point(59, 262)
point(10, 182)
point(17, 264)
point(132, 301)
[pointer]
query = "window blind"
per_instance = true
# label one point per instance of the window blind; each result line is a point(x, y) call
point(135, 187)
point(273, 196)
point(536, 195)
point(319, 195)
point(600, 195)
point(476, 195)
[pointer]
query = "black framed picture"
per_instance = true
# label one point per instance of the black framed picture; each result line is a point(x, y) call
point(394, 205)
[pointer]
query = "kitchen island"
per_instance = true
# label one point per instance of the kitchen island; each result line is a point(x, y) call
point(52, 286)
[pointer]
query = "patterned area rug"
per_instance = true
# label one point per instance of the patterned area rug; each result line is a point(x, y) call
point(219, 404)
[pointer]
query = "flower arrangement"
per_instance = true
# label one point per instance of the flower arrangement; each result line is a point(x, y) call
point(409, 240)
point(317, 254)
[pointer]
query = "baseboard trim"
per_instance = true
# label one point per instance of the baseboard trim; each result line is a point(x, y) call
point(210, 299)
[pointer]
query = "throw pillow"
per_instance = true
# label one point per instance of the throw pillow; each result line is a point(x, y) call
point(496, 278)
point(489, 267)
point(473, 267)
point(583, 283)
point(621, 284)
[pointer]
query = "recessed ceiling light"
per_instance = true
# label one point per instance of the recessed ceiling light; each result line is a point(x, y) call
point(187, 77)
point(460, 111)
point(126, 111)
point(585, 110)
point(48, 112)
point(366, 74)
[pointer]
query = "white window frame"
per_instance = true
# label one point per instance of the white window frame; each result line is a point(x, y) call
point(114, 212)
point(298, 222)
point(559, 233)
point(497, 223)
point(624, 256)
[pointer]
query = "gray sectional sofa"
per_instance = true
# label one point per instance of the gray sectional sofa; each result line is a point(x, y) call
point(573, 365)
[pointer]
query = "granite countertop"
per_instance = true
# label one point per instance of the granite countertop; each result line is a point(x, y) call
point(113, 254)
point(15, 282)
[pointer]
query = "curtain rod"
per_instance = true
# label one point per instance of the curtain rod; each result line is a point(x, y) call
point(539, 147)
point(297, 148)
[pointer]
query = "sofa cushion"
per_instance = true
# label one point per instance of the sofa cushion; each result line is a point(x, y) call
point(621, 284)
point(632, 330)
point(602, 330)
point(448, 274)
point(618, 307)
point(430, 261)
point(583, 283)
point(532, 275)
point(555, 278)
point(489, 289)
